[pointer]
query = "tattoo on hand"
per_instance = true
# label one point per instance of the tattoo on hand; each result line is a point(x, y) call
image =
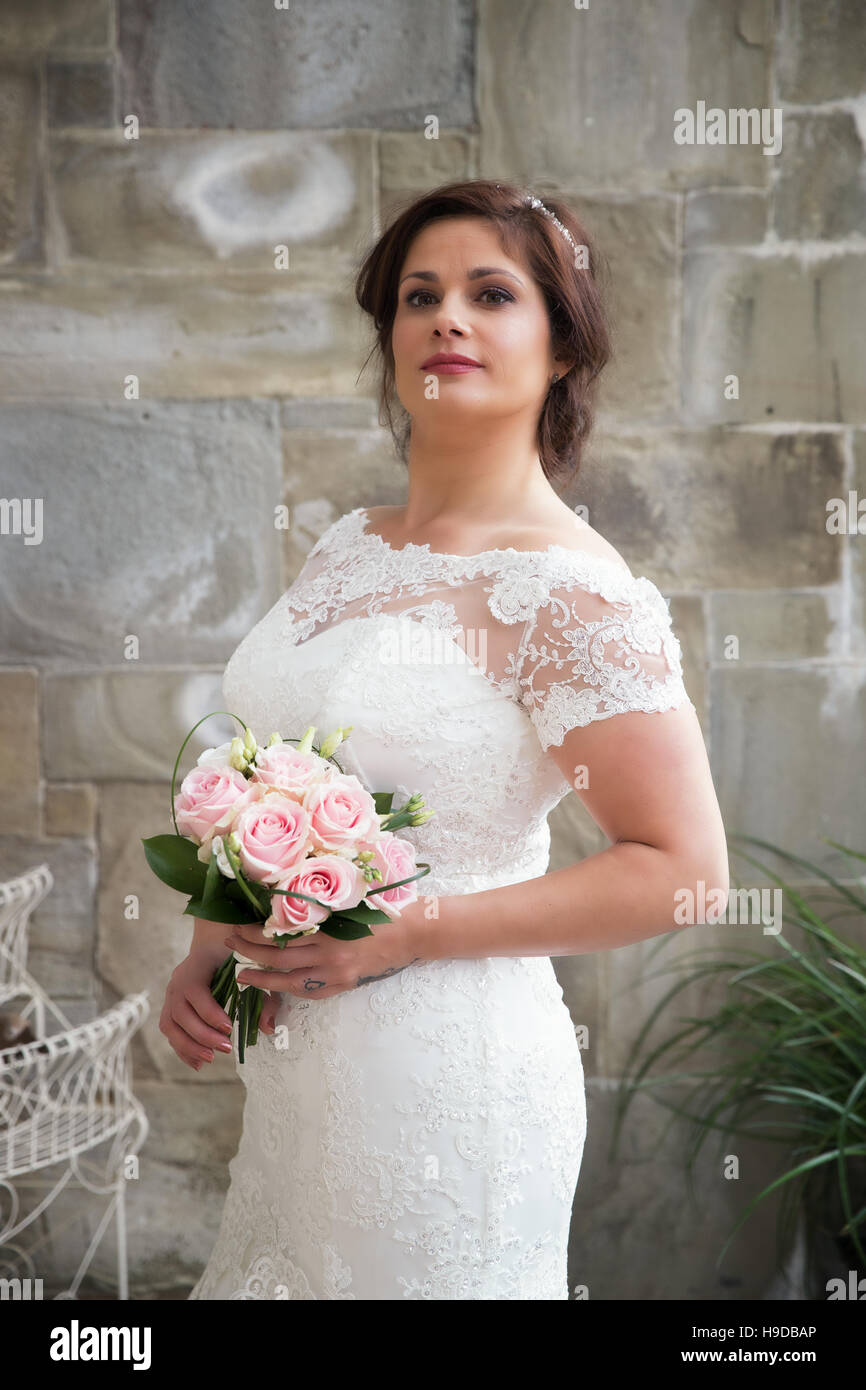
point(392, 970)
point(314, 984)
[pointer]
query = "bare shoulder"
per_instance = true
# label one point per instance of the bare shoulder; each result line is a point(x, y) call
point(573, 533)
point(568, 530)
point(384, 513)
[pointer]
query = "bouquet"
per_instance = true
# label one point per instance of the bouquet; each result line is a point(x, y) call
point(280, 837)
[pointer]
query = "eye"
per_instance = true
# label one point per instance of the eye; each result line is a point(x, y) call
point(496, 289)
point(488, 289)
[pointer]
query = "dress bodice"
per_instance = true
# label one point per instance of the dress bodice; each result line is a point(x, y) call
point(457, 674)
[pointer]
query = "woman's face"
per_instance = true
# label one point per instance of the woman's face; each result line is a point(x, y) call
point(499, 319)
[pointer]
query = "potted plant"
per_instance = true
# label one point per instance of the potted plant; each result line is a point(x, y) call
point(787, 1063)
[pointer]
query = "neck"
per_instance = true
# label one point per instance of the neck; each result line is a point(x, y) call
point(462, 479)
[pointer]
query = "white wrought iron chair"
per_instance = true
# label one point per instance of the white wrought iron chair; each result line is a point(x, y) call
point(18, 899)
point(63, 1097)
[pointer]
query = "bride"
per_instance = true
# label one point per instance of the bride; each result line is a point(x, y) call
point(415, 1115)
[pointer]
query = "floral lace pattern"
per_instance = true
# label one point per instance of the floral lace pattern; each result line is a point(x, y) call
point(606, 635)
point(407, 1139)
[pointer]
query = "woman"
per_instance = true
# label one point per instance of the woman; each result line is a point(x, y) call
point(415, 1115)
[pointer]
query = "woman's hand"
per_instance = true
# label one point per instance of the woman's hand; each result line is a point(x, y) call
point(191, 1018)
point(318, 966)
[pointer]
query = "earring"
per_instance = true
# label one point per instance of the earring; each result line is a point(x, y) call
point(555, 377)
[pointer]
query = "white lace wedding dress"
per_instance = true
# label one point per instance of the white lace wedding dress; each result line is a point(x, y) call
point(421, 1137)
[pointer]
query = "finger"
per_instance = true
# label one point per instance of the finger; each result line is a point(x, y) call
point(269, 952)
point(187, 1017)
point(302, 983)
point(250, 933)
point(268, 1014)
point(185, 1047)
point(208, 1009)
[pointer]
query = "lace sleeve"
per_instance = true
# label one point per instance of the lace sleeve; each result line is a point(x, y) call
point(587, 656)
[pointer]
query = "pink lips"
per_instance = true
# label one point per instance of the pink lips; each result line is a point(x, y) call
point(451, 364)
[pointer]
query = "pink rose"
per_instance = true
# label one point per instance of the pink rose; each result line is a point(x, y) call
point(331, 878)
point(290, 772)
point(395, 859)
point(343, 816)
point(208, 801)
point(274, 833)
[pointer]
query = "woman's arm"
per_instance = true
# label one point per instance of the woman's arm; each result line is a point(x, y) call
point(645, 779)
point(208, 941)
point(616, 897)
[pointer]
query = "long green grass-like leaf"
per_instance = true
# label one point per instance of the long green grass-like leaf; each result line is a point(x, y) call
point(814, 869)
point(183, 745)
point(809, 1164)
point(789, 1035)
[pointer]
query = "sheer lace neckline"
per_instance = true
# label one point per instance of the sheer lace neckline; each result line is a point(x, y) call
point(415, 547)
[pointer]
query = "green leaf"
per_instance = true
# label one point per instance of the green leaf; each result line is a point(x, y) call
point(364, 914)
point(233, 891)
point(383, 802)
point(292, 893)
point(174, 859)
point(343, 930)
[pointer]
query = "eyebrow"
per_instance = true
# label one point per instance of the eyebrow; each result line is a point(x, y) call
point(475, 274)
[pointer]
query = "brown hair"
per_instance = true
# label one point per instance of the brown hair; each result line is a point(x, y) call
point(578, 322)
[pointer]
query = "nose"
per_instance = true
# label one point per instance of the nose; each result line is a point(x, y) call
point(447, 319)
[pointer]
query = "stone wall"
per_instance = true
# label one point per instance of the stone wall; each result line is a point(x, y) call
point(153, 258)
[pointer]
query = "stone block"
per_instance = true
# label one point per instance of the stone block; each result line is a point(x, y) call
point(208, 202)
point(70, 809)
point(107, 726)
point(62, 929)
point(80, 340)
point(545, 107)
point(637, 239)
point(857, 550)
point(789, 327)
point(164, 550)
point(22, 196)
point(820, 192)
point(341, 413)
point(774, 625)
point(718, 509)
point(80, 93)
point(409, 162)
point(821, 51)
point(19, 733)
point(298, 68)
point(779, 729)
point(38, 26)
point(352, 466)
point(725, 217)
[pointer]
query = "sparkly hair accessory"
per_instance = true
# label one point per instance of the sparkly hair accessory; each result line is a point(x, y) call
point(533, 202)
